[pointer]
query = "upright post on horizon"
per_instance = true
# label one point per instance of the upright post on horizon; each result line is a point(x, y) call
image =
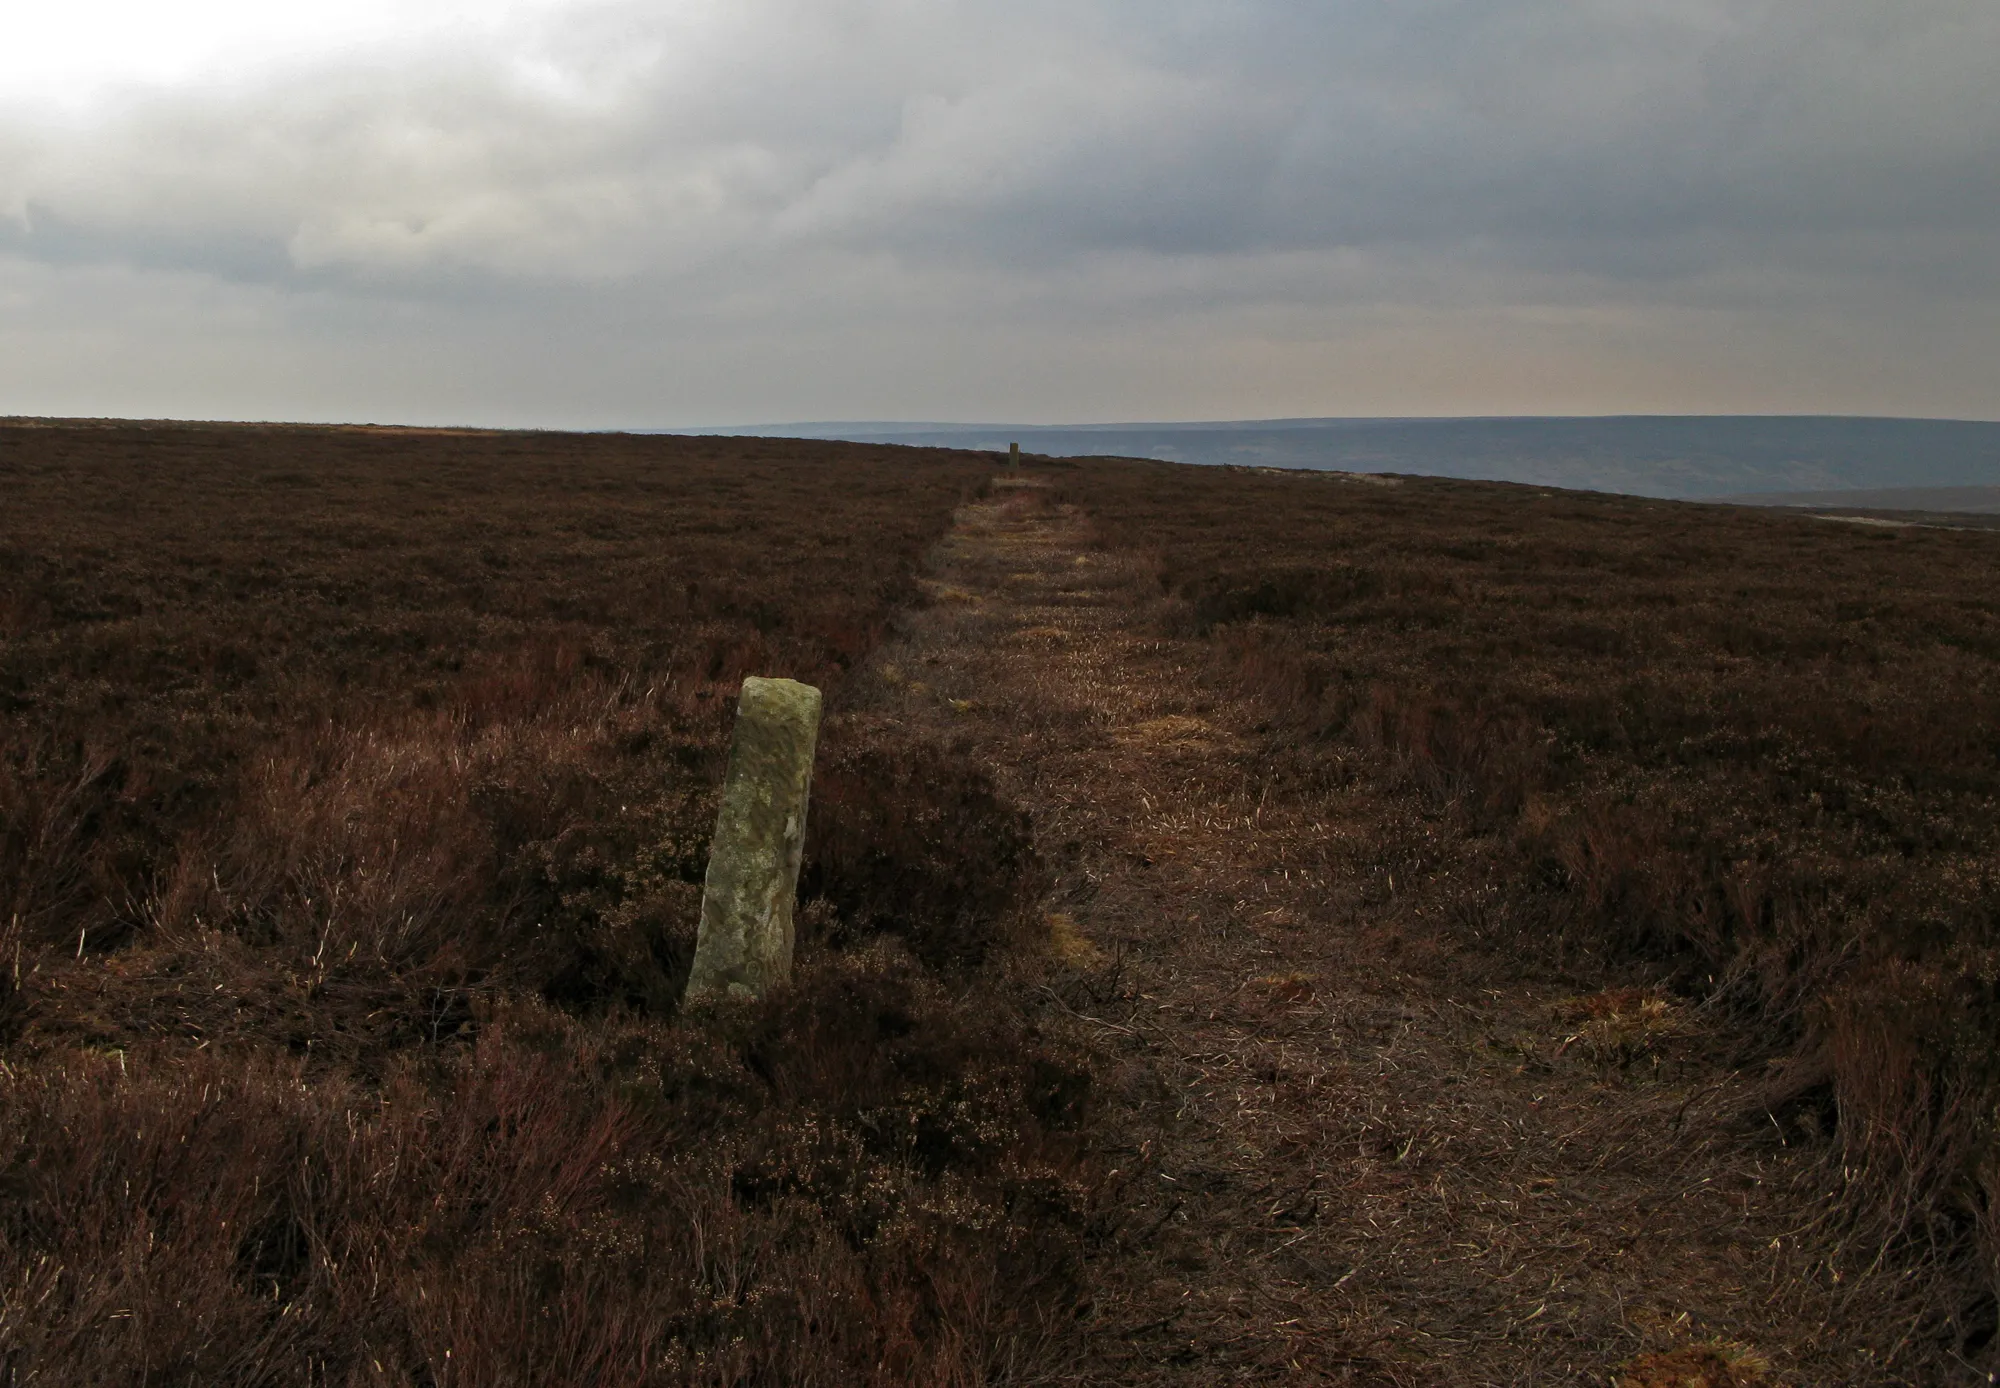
point(1014, 454)
point(745, 945)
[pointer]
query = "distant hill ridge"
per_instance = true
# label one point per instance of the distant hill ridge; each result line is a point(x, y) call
point(1707, 456)
point(1967, 500)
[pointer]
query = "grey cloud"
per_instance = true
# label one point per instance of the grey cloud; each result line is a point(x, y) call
point(1036, 130)
point(1238, 162)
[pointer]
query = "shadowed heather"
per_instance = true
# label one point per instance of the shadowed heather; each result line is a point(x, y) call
point(354, 801)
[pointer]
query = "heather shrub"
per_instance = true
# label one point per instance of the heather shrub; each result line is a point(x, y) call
point(847, 1183)
point(912, 840)
point(354, 807)
point(1757, 753)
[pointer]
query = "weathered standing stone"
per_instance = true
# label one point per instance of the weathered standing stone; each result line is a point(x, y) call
point(753, 865)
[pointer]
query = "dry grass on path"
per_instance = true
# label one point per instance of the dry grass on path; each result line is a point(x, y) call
point(1345, 1151)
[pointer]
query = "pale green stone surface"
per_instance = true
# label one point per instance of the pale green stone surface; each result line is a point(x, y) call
point(753, 865)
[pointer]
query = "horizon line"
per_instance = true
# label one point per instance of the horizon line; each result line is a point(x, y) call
point(914, 425)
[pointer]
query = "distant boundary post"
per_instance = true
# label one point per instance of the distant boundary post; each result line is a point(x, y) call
point(745, 945)
point(1014, 454)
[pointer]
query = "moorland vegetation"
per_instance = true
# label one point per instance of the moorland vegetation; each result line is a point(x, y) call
point(355, 790)
point(1754, 756)
point(354, 802)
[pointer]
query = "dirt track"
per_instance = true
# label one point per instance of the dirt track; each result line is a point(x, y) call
point(1346, 1150)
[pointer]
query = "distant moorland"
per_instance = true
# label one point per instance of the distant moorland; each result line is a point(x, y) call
point(1663, 455)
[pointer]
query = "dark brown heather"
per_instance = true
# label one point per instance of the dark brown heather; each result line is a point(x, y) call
point(1752, 756)
point(354, 799)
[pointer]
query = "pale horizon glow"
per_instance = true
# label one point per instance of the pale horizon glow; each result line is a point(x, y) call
point(74, 55)
point(649, 213)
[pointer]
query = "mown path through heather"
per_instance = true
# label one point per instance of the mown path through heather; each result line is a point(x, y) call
point(1347, 1151)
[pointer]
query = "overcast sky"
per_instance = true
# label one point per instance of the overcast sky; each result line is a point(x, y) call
point(670, 212)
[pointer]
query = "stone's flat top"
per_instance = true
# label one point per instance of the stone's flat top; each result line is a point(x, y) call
point(779, 696)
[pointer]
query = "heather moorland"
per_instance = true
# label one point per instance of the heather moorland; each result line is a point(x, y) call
point(1228, 897)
